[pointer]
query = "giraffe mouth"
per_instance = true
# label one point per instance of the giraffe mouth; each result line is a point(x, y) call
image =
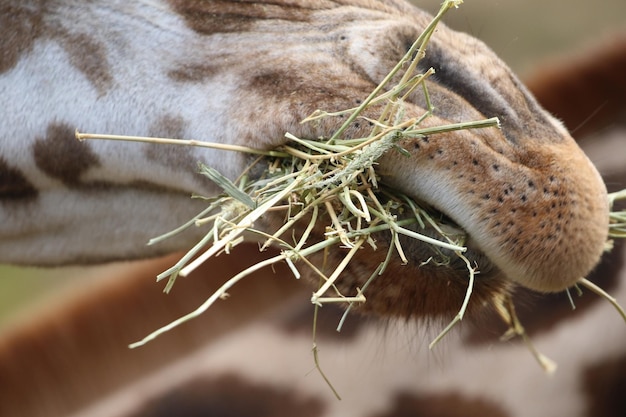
point(435, 281)
point(456, 264)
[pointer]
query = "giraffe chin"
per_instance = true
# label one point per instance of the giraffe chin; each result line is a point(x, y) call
point(432, 283)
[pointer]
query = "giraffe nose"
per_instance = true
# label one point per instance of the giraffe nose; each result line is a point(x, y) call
point(539, 212)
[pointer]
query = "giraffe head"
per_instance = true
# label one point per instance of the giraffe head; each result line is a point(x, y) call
point(533, 205)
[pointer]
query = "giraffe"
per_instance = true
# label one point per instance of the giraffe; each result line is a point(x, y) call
point(75, 179)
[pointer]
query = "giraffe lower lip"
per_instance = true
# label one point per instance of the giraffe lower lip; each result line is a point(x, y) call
point(459, 264)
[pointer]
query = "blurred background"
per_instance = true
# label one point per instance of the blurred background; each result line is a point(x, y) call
point(523, 33)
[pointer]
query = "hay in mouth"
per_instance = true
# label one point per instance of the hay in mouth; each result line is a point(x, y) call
point(336, 177)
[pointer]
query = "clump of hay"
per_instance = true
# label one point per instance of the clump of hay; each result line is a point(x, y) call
point(334, 176)
point(305, 178)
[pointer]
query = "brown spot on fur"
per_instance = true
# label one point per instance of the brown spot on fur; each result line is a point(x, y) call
point(230, 395)
point(295, 95)
point(441, 405)
point(89, 57)
point(194, 73)
point(168, 126)
point(306, 87)
point(20, 27)
point(209, 17)
point(604, 387)
point(22, 24)
point(13, 184)
point(61, 156)
point(176, 157)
